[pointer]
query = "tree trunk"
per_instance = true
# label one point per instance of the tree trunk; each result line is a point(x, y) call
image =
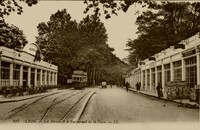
point(93, 77)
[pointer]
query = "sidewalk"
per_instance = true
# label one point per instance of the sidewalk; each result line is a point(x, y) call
point(25, 97)
point(182, 102)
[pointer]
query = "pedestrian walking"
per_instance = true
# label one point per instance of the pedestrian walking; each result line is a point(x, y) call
point(127, 86)
point(159, 90)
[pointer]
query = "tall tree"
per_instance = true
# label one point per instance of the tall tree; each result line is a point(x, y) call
point(72, 45)
point(93, 37)
point(11, 36)
point(58, 40)
point(162, 26)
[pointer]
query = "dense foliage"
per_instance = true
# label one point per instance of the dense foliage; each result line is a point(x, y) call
point(10, 35)
point(163, 25)
point(73, 45)
point(8, 6)
point(110, 7)
point(78, 46)
point(64, 42)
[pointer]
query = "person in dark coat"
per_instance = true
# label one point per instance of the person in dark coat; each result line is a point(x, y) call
point(137, 86)
point(159, 89)
point(127, 86)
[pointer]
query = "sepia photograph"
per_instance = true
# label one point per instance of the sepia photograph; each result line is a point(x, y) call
point(99, 64)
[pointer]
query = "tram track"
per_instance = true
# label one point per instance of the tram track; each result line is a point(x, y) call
point(53, 103)
point(82, 109)
point(24, 106)
point(80, 112)
point(69, 111)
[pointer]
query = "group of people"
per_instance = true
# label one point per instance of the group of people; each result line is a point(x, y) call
point(138, 85)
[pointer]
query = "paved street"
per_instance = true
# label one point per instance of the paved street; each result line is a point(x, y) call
point(117, 105)
point(114, 105)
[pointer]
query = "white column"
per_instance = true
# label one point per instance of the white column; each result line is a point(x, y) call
point(198, 69)
point(35, 78)
point(145, 80)
point(163, 77)
point(45, 77)
point(139, 76)
point(141, 79)
point(49, 78)
point(11, 74)
point(171, 71)
point(150, 80)
point(56, 76)
point(183, 70)
point(29, 77)
point(132, 80)
point(0, 73)
point(21, 76)
point(156, 77)
point(41, 78)
point(53, 83)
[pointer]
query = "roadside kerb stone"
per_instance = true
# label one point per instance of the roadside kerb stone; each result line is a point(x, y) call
point(181, 104)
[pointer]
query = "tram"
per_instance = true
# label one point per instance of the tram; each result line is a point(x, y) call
point(79, 79)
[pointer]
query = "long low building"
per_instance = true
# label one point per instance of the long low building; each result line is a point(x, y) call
point(24, 67)
point(177, 63)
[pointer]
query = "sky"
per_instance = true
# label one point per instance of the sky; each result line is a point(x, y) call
point(119, 28)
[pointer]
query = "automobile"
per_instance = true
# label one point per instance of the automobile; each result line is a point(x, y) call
point(104, 84)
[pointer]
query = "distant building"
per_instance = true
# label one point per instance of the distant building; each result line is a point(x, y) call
point(24, 67)
point(177, 63)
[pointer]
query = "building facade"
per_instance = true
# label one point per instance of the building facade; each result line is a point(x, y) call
point(20, 68)
point(177, 63)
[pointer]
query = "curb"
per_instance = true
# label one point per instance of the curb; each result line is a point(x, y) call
point(81, 110)
point(180, 103)
point(26, 98)
point(17, 100)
